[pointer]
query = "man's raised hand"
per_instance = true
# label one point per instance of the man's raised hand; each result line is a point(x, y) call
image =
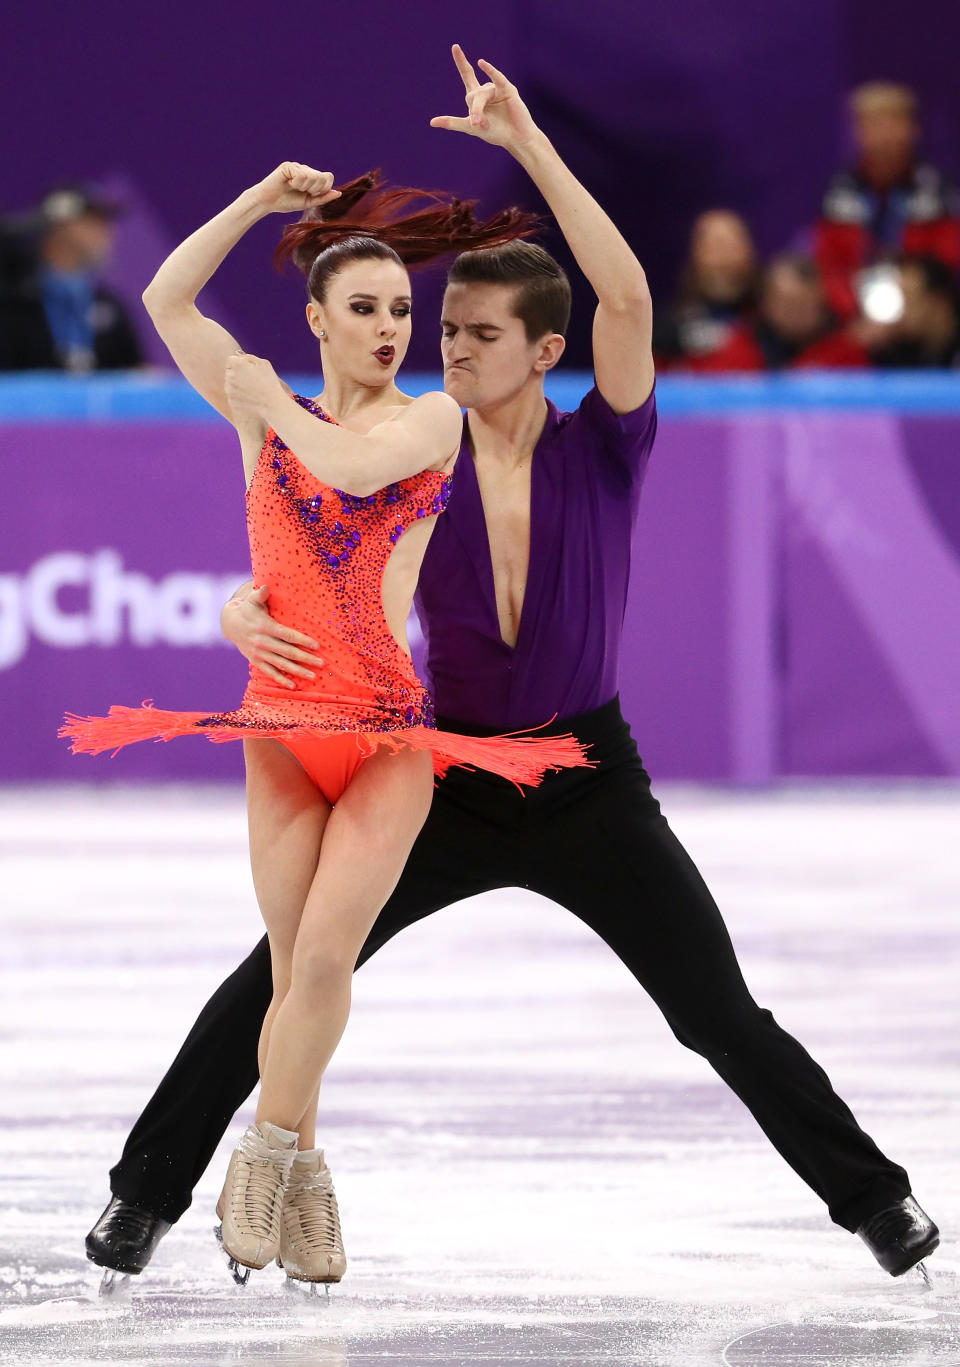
point(495, 111)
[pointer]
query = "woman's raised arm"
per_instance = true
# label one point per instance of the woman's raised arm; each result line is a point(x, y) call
point(199, 345)
point(425, 435)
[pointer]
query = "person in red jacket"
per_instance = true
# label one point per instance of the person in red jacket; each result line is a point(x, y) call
point(889, 203)
point(718, 290)
point(794, 327)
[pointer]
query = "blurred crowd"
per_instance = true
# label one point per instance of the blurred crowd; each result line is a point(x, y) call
point(56, 313)
point(876, 283)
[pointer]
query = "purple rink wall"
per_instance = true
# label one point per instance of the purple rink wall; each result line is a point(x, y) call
point(793, 611)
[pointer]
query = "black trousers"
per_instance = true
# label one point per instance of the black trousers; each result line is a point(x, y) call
point(594, 841)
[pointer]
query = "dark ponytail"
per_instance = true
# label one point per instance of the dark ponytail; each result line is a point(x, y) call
point(368, 221)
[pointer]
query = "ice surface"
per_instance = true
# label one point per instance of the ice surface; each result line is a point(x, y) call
point(530, 1168)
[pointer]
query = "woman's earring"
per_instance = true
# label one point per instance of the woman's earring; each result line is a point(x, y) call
point(322, 333)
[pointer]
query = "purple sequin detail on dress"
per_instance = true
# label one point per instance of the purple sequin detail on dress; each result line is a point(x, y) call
point(334, 542)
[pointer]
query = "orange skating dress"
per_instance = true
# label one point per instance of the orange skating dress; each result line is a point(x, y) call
point(323, 554)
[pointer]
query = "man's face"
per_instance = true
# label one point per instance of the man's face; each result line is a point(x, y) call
point(886, 134)
point(84, 241)
point(486, 356)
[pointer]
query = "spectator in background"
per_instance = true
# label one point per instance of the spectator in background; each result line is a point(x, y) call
point(927, 334)
point(889, 202)
point(718, 289)
point(794, 327)
point(54, 312)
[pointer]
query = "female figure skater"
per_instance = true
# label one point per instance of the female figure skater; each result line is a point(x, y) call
point(342, 496)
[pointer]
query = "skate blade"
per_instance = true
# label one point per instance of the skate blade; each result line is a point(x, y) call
point(924, 1275)
point(113, 1283)
point(296, 1287)
point(239, 1273)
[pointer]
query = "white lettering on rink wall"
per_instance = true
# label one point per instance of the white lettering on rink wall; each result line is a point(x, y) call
point(71, 600)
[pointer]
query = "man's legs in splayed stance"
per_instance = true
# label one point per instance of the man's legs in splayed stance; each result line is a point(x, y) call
point(580, 827)
point(600, 847)
point(466, 847)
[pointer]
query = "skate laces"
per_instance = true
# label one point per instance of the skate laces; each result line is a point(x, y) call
point(893, 1221)
point(260, 1177)
point(313, 1202)
point(131, 1223)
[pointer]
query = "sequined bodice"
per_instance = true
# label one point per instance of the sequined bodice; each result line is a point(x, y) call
point(323, 553)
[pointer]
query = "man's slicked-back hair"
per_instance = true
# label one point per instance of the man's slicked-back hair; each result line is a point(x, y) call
point(541, 298)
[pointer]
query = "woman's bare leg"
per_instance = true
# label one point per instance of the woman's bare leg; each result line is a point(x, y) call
point(287, 816)
point(307, 1129)
point(365, 844)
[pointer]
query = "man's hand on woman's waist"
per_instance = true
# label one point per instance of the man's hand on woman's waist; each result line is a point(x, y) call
point(275, 650)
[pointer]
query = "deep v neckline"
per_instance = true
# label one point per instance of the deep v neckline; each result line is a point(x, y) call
point(485, 572)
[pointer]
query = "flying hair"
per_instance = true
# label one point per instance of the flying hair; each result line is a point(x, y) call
point(371, 219)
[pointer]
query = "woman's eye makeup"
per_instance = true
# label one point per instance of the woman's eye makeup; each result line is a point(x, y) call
point(401, 311)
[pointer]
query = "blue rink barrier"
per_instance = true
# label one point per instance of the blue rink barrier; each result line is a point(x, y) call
point(42, 397)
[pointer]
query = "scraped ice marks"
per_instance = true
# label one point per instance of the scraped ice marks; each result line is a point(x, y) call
point(902, 1335)
point(53, 1294)
point(65, 1310)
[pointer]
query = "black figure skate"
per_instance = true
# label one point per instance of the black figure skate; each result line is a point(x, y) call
point(900, 1237)
point(122, 1242)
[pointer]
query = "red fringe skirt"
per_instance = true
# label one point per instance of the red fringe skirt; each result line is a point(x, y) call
point(522, 758)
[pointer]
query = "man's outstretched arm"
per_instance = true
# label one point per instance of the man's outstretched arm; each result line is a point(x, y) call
point(623, 324)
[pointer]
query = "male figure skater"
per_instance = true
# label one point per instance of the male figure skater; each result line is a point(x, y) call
point(522, 596)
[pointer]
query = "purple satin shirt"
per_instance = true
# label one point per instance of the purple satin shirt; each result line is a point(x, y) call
point(588, 468)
